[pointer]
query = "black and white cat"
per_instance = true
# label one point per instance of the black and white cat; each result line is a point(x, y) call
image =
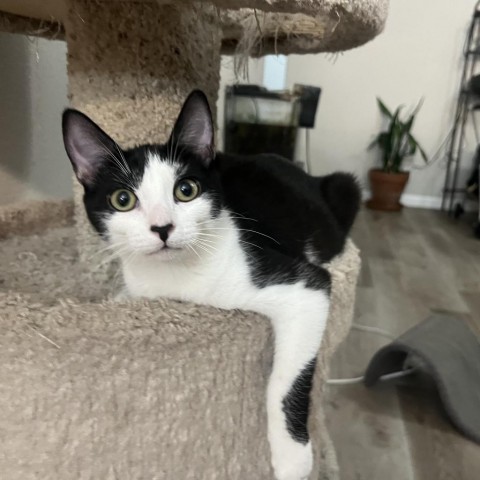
point(249, 233)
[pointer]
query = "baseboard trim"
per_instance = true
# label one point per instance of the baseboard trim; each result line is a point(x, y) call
point(424, 201)
point(421, 201)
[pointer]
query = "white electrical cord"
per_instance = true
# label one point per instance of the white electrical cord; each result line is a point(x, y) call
point(366, 328)
point(383, 378)
point(345, 381)
point(360, 379)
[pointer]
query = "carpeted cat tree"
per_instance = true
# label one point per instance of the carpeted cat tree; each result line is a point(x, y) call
point(94, 389)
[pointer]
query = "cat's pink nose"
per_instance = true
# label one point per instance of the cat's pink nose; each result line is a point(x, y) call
point(163, 232)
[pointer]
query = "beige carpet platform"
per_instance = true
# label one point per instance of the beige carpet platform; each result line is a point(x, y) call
point(95, 389)
point(91, 389)
point(281, 26)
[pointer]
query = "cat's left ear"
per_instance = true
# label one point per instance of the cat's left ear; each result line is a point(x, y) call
point(87, 145)
point(193, 129)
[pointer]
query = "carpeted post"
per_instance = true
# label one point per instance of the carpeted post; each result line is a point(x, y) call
point(130, 67)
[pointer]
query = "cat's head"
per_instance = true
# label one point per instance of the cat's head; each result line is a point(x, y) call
point(152, 200)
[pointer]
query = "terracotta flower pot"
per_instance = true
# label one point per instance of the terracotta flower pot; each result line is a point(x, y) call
point(387, 188)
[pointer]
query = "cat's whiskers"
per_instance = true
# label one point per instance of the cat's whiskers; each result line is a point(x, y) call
point(124, 180)
point(245, 230)
point(111, 251)
point(200, 246)
point(219, 236)
point(236, 216)
point(111, 257)
point(124, 169)
point(205, 247)
point(120, 161)
point(174, 147)
point(180, 142)
point(124, 177)
point(207, 241)
point(190, 246)
point(108, 248)
point(123, 166)
point(212, 235)
point(210, 238)
point(239, 216)
point(178, 154)
point(252, 244)
point(106, 255)
point(117, 279)
point(171, 146)
point(243, 218)
point(122, 157)
point(129, 259)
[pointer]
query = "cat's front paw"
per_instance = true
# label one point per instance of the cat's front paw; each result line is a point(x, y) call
point(291, 460)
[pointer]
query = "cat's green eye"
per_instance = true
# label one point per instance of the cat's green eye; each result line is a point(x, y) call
point(186, 190)
point(122, 200)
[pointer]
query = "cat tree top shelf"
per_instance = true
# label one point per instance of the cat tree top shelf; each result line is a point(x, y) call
point(252, 27)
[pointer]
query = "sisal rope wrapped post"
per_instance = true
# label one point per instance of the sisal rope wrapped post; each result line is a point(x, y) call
point(130, 67)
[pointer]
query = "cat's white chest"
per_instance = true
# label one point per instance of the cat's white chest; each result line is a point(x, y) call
point(220, 278)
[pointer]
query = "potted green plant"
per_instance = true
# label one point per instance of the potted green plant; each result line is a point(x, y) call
point(396, 144)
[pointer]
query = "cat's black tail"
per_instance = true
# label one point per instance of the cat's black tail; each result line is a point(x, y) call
point(341, 192)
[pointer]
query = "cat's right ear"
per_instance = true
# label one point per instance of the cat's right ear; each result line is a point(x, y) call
point(87, 145)
point(194, 128)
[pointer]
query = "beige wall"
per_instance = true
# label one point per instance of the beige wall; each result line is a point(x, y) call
point(33, 92)
point(418, 55)
point(14, 117)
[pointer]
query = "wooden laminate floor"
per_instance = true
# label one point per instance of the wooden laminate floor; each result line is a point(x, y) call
point(414, 262)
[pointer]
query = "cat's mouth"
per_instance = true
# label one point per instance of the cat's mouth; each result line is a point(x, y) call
point(164, 249)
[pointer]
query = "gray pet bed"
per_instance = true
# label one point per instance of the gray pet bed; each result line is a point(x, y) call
point(443, 349)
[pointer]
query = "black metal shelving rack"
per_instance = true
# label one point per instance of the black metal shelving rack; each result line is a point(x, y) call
point(467, 103)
